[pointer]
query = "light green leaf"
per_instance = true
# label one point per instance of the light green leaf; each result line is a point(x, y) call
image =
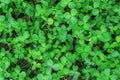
point(2, 18)
point(40, 77)
point(74, 12)
point(96, 4)
point(23, 74)
point(62, 34)
point(95, 12)
point(50, 21)
point(63, 60)
point(38, 10)
point(50, 63)
point(117, 38)
point(86, 18)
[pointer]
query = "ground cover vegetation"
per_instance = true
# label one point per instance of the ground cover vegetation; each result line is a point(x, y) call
point(59, 39)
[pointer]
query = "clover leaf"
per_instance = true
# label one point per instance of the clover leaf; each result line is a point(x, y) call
point(50, 21)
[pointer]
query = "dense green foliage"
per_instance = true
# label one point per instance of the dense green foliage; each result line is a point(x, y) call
point(59, 39)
